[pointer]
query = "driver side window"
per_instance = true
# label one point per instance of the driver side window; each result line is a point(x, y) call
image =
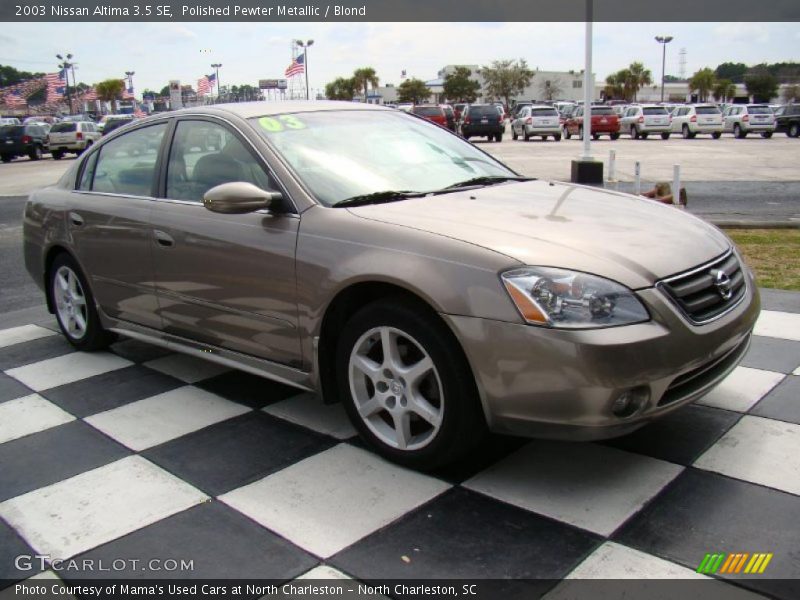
point(205, 155)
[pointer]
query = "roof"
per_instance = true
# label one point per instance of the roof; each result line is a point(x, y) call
point(248, 110)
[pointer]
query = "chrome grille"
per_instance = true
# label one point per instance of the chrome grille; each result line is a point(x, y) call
point(706, 292)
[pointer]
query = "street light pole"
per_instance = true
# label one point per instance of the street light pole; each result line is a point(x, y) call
point(66, 66)
point(219, 87)
point(663, 40)
point(305, 45)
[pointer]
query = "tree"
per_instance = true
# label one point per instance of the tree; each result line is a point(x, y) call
point(703, 81)
point(341, 89)
point(413, 90)
point(791, 93)
point(506, 78)
point(724, 90)
point(615, 85)
point(164, 91)
point(761, 85)
point(10, 76)
point(110, 90)
point(365, 77)
point(460, 87)
point(733, 71)
point(638, 77)
point(551, 89)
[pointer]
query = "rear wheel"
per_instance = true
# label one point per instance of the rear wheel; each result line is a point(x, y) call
point(525, 135)
point(57, 154)
point(766, 134)
point(406, 385)
point(614, 136)
point(634, 133)
point(499, 137)
point(514, 135)
point(665, 135)
point(567, 134)
point(73, 302)
point(738, 133)
point(557, 137)
point(595, 136)
point(6, 158)
point(794, 130)
point(716, 135)
point(686, 133)
point(35, 153)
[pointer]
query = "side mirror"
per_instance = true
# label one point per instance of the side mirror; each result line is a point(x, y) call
point(239, 197)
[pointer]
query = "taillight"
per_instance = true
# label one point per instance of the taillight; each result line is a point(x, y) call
point(746, 118)
point(528, 121)
point(26, 139)
point(79, 136)
point(641, 119)
point(467, 120)
point(693, 119)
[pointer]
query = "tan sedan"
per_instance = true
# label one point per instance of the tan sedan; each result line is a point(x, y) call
point(386, 263)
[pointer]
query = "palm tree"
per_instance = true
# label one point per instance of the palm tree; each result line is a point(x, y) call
point(365, 77)
point(703, 81)
point(724, 90)
point(110, 90)
point(638, 77)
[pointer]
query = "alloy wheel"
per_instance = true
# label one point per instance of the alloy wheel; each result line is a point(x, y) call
point(70, 302)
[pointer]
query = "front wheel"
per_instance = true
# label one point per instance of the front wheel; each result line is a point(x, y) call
point(35, 153)
point(557, 137)
point(738, 133)
point(73, 302)
point(687, 135)
point(716, 135)
point(665, 136)
point(614, 136)
point(634, 133)
point(499, 137)
point(794, 130)
point(57, 154)
point(514, 135)
point(766, 134)
point(567, 134)
point(406, 385)
point(6, 158)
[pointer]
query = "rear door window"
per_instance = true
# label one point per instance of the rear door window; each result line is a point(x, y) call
point(545, 112)
point(707, 110)
point(655, 110)
point(759, 110)
point(64, 127)
point(428, 111)
point(127, 164)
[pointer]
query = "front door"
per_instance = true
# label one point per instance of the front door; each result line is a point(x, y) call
point(224, 280)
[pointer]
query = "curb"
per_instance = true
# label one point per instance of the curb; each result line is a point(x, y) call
point(728, 224)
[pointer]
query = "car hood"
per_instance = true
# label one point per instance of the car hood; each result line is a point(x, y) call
point(633, 240)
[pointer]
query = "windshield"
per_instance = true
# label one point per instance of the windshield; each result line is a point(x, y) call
point(343, 154)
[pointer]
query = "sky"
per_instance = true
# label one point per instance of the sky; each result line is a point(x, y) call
point(158, 52)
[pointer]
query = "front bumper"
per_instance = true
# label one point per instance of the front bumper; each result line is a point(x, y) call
point(562, 384)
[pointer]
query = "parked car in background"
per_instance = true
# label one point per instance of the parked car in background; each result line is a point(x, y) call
point(536, 121)
point(71, 137)
point(77, 118)
point(518, 108)
point(698, 118)
point(436, 113)
point(405, 106)
point(640, 120)
point(23, 140)
point(10, 121)
point(41, 119)
point(741, 119)
point(787, 120)
point(429, 288)
point(106, 118)
point(482, 120)
point(114, 124)
point(604, 122)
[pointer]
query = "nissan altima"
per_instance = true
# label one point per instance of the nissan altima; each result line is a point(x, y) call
point(383, 262)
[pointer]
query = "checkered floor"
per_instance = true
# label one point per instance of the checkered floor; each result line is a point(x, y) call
point(140, 453)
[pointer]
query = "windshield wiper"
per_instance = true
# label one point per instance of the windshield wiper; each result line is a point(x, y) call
point(485, 180)
point(379, 198)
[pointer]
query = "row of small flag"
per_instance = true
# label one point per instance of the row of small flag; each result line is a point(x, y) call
point(56, 88)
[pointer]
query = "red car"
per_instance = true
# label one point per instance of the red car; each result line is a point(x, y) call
point(604, 122)
point(441, 114)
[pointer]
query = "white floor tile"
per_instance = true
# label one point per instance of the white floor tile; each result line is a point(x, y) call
point(773, 323)
point(741, 389)
point(332, 499)
point(309, 411)
point(25, 333)
point(590, 486)
point(158, 419)
point(760, 451)
point(615, 561)
point(65, 369)
point(29, 414)
point(80, 513)
point(325, 572)
point(186, 368)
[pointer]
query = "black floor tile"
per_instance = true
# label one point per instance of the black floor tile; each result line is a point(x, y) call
point(110, 390)
point(679, 437)
point(236, 452)
point(491, 450)
point(782, 402)
point(26, 353)
point(222, 543)
point(704, 512)
point(248, 389)
point(12, 546)
point(10, 388)
point(772, 354)
point(138, 352)
point(463, 534)
point(55, 454)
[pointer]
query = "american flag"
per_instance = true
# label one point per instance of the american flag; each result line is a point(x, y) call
point(89, 95)
point(14, 99)
point(56, 84)
point(298, 66)
point(138, 113)
point(205, 84)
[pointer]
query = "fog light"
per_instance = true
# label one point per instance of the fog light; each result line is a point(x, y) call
point(629, 402)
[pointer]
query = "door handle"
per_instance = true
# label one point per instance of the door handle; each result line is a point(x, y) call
point(163, 239)
point(75, 219)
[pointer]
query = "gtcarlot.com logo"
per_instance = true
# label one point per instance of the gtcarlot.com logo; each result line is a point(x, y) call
point(724, 563)
point(40, 562)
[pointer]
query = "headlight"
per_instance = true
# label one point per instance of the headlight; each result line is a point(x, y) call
point(571, 300)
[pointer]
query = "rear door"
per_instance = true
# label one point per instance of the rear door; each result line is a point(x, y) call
point(655, 116)
point(544, 118)
point(63, 134)
point(224, 280)
point(708, 116)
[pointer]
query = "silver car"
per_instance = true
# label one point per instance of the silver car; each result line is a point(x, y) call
point(71, 137)
point(640, 120)
point(741, 119)
point(536, 121)
point(699, 118)
point(385, 263)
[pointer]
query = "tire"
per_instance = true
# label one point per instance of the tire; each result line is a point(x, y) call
point(794, 130)
point(580, 133)
point(716, 135)
point(499, 137)
point(614, 136)
point(766, 134)
point(643, 135)
point(35, 153)
point(687, 135)
point(74, 306)
point(567, 134)
point(738, 133)
point(525, 135)
point(634, 133)
point(378, 395)
point(665, 135)
point(6, 158)
point(557, 137)
point(57, 154)
point(514, 135)
point(595, 136)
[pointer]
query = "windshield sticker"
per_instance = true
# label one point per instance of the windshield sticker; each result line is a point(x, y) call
point(280, 123)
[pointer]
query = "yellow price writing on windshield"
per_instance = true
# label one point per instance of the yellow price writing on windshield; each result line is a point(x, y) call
point(280, 123)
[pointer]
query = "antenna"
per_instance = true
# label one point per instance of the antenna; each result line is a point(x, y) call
point(682, 63)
